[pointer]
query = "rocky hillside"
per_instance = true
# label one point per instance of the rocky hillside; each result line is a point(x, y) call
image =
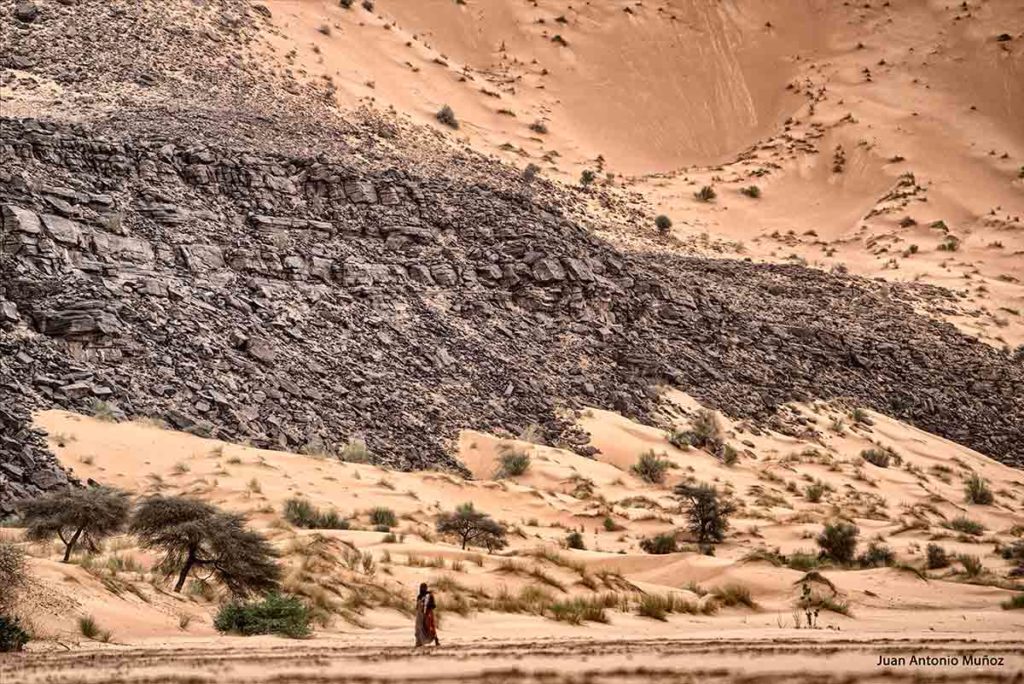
point(243, 261)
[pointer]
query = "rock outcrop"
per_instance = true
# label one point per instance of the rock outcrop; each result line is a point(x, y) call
point(302, 302)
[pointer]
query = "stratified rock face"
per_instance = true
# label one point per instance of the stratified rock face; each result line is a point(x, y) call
point(298, 303)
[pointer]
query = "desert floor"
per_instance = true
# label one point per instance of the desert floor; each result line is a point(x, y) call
point(490, 630)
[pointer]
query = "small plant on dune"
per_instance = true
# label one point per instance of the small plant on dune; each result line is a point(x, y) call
point(876, 556)
point(539, 127)
point(355, 451)
point(659, 544)
point(276, 614)
point(512, 462)
point(654, 606)
point(574, 540)
point(751, 191)
point(1015, 602)
point(813, 492)
point(965, 525)
point(347, 4)
point(861, 417)
point(937, 558)
point(663, 224)
point(707, 513)
point(976, 490)
point(13, 636)
point(734, 595)
point(473, 527)
point(838, 541)
point(13, 575)
point(368, 5)
point(971, 564)
point(531, 172)
point(651, 468)
point(611, 526)
point(950, 243)
point(89, 628)
point(881, 456)
point(577, 611)
point(587, 177)
point(76, 515)
point(196, 535)
point(381, 516)
point(705, 194)
point(302, 513)
point(446, 115)
point(102, 410)
point(799, 560)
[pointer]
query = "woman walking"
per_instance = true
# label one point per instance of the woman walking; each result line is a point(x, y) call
point(426, 622)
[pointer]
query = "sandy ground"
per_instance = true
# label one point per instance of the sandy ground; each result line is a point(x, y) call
point(875, 133)
point(157, 635)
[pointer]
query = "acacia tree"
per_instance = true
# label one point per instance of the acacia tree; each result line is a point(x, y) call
point(75, 515)
point(473, 527)
point(196, 535)
point(707, 514)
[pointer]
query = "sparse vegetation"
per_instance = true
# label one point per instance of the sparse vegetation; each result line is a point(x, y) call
point(574, 540)
point(707, 513)
point(90, 629)
point(965, 525)
point(663, 224)
point(814, 491)
point(302, 513)
point(576, 611)
point(876, 556)
point(881, 456)
point(13, 575)
point(473, 527)
point(355, 451)
point(659, 544)
point(705, 194)
point(381, 516)
point(587, 177)
point(751, 191)
point(977, 491)
point(734, 594)
point(937, 558)
point(512, 462)
point(276, 614)
point(971, 564)
point(838, 541)
point(194, 534)
point(13, 636)
point(86, 515)
point(446, 115)
point(1015, 602)
point(651, 468)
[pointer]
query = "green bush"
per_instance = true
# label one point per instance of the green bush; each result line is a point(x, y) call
point(587, 177)
point(574, 540)
point(663, 224)
point(275, 614)
point(814, 492)
point(881, 457)
point(1016, 602)
point(659, 544)
point(976, 490)
point(707, 514)
point(512, 463)
point(13, 636)
point(650, 467)
point(876, 556)
point(706, 194)
point(302, 513)
point(751, 191)
point(383, 517)
point(838, 541)
point(937, 557)
point(965, 525)
point(446, 115)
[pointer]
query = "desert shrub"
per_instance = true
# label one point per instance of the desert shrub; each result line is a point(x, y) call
point(663, 224)
point(729, 455)
point(574, 540)
point(196, 535)
point(976, 490)
point(804, 562)
point(90, 629)
point(971, 564)
point(302, 513)
point(530, 172)
point(355, 451)
point(13, 575)
point(937, 557)
point(751, 191)
point(813, 492)
point(539, 127)
point(381, 516)
point(512, 463)
point(1015, 602)
point(76, 515)
point(13, 636)
point(876, 556)
point(654, 606)
point(705, 194)
point(446, 115)
point(577, 611)
point(650, 467)
point(965, 525)
point(838, 541)
point(734, 595)
point(347, 4)
point(881, 457)
point(473, 527)
point(706, 431)
point(274, 614)
point(611, 526)
point(368, 5)
point(707, 514)
point(659, 544)
point(587, 177)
